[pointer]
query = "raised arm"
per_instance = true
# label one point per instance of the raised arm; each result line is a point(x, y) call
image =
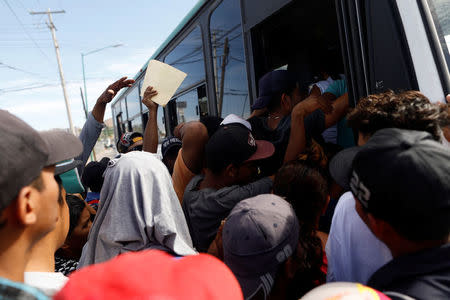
point(315, 91)
point(100, 106)
point(340, 107)
point(297, 138)
point(94, 124)
point(151, 130)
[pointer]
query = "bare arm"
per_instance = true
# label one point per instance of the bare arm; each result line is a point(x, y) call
point(100, 106)
point(151, 130)
point(257, 113)
point(315, 91)
point(194, 137)
point(340, 107)
point(297, 138)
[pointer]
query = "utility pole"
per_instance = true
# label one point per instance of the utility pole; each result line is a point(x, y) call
point(216, 73)
point(52, 28)
point(226, 51)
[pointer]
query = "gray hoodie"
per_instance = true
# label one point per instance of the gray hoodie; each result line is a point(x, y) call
point(138, 210)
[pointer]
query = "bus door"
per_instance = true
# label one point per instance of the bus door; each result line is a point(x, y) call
point(390, 44)
point(300, 36)
point(378, 45)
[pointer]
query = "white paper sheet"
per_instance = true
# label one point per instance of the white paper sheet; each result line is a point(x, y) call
point(164, 79)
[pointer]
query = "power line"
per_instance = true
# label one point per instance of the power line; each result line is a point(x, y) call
point(5, 91)
point(35, 86)
point(21, 24)
point(21, 4)
point(25, 25)
point(18, 69)
point(22, 40)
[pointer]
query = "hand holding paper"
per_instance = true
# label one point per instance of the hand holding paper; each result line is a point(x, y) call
point(149, 93)
point(164, 78)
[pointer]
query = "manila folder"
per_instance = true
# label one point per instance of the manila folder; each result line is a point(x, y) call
point(164, 79)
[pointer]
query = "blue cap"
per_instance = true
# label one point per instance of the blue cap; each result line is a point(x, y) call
point(272, 83)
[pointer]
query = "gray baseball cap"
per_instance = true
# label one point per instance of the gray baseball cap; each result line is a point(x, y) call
point(25, 152)
point(258, 236)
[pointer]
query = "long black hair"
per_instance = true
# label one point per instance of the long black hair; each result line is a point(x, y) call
point(307, 190)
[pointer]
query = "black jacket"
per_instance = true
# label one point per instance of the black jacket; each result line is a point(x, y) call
point(423, 275)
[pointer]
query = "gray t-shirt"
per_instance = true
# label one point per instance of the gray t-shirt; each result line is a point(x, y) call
point(205, 209)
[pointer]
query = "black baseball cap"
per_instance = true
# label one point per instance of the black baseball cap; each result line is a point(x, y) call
point(25, 152)
point(402, 177)
point(128, 139)
point(170, 143)
point(93, 173)
point(272, 83)
point(234, 144)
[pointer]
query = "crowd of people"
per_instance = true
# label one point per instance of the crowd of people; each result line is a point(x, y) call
point(306, 199)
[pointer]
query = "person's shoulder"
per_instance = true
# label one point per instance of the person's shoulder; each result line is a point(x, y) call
point(257, 122)
point(429, 277)
point(346, 200)
point(238, 192)
point(225, 193)
point(192, 191)
point(344, 207)
point(194, 182)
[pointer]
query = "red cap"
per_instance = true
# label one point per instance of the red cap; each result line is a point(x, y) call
point(153, 274)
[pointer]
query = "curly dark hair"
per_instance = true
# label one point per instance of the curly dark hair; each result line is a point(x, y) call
point(404, 110)
point(307, 190)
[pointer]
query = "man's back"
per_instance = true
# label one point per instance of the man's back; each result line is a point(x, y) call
point(204, 209)
point(353, 252)
point(424, 275)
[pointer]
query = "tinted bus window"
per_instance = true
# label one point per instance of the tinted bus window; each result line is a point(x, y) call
point(159, 120)
point(230, 76)
point(440, 10)
point(115, 111)
point(136, 125)
point(123, 106)
point(188, 57)
point(133, 102)
point(188, 106)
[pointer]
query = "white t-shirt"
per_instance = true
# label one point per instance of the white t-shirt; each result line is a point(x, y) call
point(48, 282)
point(353, 251)
point(324, 84)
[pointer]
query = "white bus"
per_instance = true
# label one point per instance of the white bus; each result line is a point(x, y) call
point(225, 46)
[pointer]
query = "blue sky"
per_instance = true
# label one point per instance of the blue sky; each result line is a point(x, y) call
point(29, 80)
